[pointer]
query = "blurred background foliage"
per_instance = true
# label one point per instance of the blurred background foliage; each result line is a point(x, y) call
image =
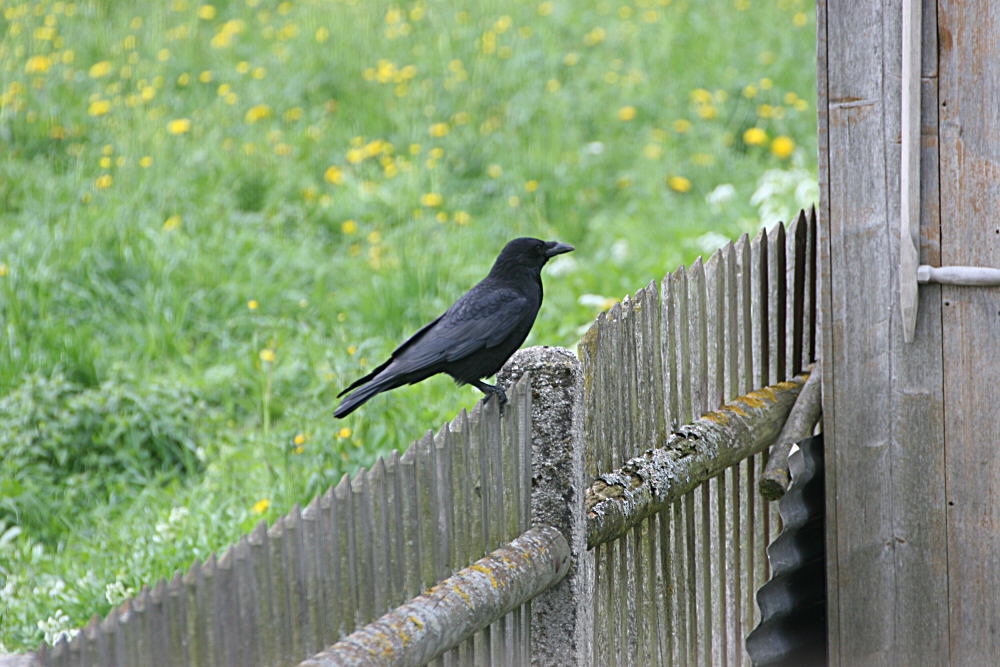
point(215, 216)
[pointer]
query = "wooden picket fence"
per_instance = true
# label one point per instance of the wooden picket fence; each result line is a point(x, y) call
point(676, 589)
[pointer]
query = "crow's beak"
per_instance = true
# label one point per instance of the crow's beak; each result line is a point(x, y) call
point(556, 248)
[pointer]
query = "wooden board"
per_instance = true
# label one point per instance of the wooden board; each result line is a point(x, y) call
point(883, 406)
point(969, 107)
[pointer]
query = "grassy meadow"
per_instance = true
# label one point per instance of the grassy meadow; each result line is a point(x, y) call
point(213, 217)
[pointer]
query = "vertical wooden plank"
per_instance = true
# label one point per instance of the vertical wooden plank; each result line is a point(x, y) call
point(247, 613)
point(679, 566)
point(380, 549)
point(667, 627)
point(715, 279)
point(796, 272)
point(410, 528)
point(748, 531)
point(776, 301)
point(346, 555)
point(364, 553)
point(260, 560)
point(225, 621)
point(668, 317)
point(706, 611)
point(311, 548)
point(734, 566)
point(970, 235)
point(685, 409)
point(744, 297)
point(697, 339)
point(719, 551)
point(332, 617)
point(759, 308)
point(295, 583)
point(280, 588)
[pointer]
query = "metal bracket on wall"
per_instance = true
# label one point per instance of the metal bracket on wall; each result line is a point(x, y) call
point(910, 273)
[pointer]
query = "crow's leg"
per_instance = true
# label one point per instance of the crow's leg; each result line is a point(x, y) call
point(491, 390)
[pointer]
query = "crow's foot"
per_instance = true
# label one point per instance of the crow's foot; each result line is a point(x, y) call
point(491, 391)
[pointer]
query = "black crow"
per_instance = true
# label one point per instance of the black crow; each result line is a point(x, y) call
point(474, 337)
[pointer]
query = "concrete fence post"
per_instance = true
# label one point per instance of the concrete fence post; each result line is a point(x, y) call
point(562, 618)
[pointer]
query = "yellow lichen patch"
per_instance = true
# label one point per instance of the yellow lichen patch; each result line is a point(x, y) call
point(415, 621)
point(737, 409)
point(717, 417)
point(787, 384)
point(752, 401)
point(465, 596)
point(768, 393)
point(488, 572)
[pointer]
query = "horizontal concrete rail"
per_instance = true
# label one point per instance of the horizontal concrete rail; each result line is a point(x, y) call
point(699, 451)
point(443, 616)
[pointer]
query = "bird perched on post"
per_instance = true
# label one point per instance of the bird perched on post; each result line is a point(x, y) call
point(474, 337)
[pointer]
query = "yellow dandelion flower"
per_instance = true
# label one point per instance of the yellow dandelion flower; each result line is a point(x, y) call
point(261, 506)
point(100, 69)
point(257, 112)
point(145, 161)
point(652, 151)
point(349, 227)
point(105, 162)
point(626, 113)
point(531, 185)
point(252, 304)
point(171, 223)
point(184, 79)
point(267, 355)
point(299, 439)
point(322, 34)
point(299, 449)
point(355, 155)
point(801, 104)
point(437, 153)
point(205, 76)
point(462, 218)
point(513, 201)
point(104, 181)
point(681, 125)
point(595, 36)
point(206, 12)
point(37, 65)
point(799, 19)
point(351, 349)
point(333, 175)
point(344, 433)
point(766, 83)
point(701, 96)
point(258, 73)
point(494, 171)
point(99, 107)
point(552, 85)
point(707, 111)
point(571, 59)
point(545, 8)
point(431, 199)
point(438, 129)
point(765, 111)
point(293, 114)
point(4, 270)
point(179, 126)
point(783, 146)
point(754, 136)
point(750, 91)
point(163, 55)
point(679, 184)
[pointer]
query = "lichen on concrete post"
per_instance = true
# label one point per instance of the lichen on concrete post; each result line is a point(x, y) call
point(562, 618)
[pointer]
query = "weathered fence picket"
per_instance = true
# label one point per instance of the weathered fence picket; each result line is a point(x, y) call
point(675, 587)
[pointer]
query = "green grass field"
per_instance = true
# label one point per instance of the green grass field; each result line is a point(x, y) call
point(214, 217)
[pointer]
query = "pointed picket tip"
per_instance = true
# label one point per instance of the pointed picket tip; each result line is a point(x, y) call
point(259, 534)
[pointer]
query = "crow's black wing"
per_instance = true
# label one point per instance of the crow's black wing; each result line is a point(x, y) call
point(483, 318)
point(378, 369)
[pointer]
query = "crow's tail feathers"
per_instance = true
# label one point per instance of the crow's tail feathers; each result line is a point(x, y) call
point(357, 397)
point(389, 375)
